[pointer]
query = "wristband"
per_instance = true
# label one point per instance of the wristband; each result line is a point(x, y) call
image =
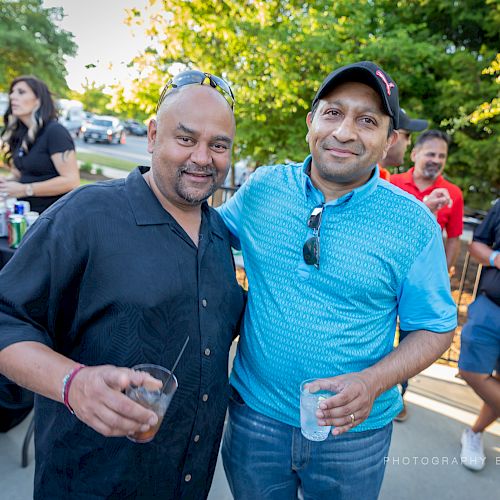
point(66, 384)
point(493, 256)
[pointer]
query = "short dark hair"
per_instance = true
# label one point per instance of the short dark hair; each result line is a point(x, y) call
point(432, 134)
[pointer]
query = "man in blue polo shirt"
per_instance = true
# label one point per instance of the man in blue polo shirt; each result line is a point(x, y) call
point(332, 256)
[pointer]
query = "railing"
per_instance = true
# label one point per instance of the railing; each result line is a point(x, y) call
point(221, 195)
point(464, 294)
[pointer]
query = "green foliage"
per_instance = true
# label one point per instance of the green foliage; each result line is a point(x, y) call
point(275, 54)
point(137, 105)
point(90, 168)
point(86, 166)
point(30, 43)
point(94, 99)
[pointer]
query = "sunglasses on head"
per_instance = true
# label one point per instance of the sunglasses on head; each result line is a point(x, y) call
point(310, 250)
point(193, 77)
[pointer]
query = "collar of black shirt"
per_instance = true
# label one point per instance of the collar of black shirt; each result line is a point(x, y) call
point(148, 210)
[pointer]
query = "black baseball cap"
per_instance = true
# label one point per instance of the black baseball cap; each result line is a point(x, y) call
point(412, 125)
point(370, 74)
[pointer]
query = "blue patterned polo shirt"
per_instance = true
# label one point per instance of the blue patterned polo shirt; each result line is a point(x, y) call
point(382, 256)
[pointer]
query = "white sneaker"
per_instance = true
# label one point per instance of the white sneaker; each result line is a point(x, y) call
point(472, 455)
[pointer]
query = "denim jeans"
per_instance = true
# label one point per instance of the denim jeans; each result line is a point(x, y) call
point(265, 459)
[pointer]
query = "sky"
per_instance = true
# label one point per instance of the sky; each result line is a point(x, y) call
point(102, 38)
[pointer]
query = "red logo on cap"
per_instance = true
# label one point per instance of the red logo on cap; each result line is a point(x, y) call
point(388, 85)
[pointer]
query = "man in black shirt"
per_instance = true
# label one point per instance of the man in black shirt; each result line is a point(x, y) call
point(117, 274)
point(480, 349)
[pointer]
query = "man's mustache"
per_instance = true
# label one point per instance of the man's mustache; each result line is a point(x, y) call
point(192, 169)
point(354, 148)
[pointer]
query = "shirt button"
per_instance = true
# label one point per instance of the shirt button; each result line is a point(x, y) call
point(205, 397)
point(187, 478)
point(204, 302)
point(207, 352)
point(196, 438)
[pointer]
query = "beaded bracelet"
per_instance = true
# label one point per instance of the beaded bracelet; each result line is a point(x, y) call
point(66, 384)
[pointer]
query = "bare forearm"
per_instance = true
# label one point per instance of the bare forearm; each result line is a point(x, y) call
point(52, 187)
point(451, 248)
point(36, 367)
point(96, 394)
point(481, 252)
point(68, 178)
point(417, 351)
point(55, 186)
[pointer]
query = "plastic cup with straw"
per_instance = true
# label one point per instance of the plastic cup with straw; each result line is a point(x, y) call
point(156, 400)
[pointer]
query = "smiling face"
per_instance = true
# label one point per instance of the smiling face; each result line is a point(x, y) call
point(347, 135)
point(429, 159)
point(191, 145)
point(23, 100)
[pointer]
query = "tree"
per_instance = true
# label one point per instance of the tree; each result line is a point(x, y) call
point(483, 122)
point(94, 98)
point(137, 103)
point(31, 43)
point(275, 53)
point(462, 94)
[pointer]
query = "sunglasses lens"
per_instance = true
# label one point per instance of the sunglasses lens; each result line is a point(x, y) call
point(310, 251)
point(223, 85)
point(188, 78)
point(198, 77)
point(314, 220)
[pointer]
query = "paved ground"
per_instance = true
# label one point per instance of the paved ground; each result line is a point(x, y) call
point(135, 149)
point(424, 460)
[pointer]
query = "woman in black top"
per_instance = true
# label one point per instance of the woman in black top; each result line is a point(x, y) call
point(38, 149)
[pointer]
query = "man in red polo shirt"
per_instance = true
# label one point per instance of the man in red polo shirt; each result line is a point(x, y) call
point(443, 198)
point(426, 183)
point(396, 153)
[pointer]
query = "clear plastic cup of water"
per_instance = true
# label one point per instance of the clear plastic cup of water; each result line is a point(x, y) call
point(309, 403)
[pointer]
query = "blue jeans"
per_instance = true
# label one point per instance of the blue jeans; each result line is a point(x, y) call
point(265, 459)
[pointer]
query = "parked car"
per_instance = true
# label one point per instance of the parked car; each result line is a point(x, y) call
point(71, 115)
point(135, 128)
point(103, 129)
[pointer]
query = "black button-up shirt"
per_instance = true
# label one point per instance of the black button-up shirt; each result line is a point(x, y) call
point(488, 232)
point(108, 276)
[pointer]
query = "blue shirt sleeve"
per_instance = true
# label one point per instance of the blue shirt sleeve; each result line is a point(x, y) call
point(425, 301)
point(232, 213)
